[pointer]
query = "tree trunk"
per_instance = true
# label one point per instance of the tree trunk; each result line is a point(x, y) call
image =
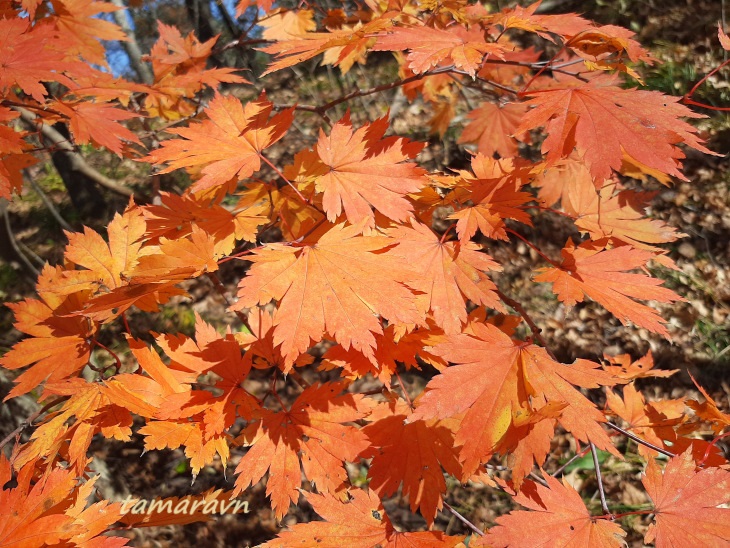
point(83, 191)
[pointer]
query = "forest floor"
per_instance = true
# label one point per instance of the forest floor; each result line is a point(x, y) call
point(700, 327)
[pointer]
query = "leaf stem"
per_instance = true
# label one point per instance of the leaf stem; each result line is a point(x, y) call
point(536, 331)
point(687, 98)
point(405, 392)
point(613, 517)
point(287, 181)
point(110, 351)
point(533, 246)
point(301, 381)
point(709, 447)
point(321, 110)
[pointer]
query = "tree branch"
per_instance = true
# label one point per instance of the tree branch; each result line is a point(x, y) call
point(131, 45)
point(77, 161)
point(570, 461)
point(322, 109)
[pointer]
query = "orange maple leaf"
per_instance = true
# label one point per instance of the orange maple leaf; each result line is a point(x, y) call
point(228, 144)
point(686, 503)
point(40, 515)
point(600, 273)
point(360, 522)
point(558, 517)
point(659, 422)
point(176, 216)
point(49, 440)
point(644, 420)
point(493, 126)
point(98, 123)
point(179, 66)
point(549, 381)
point(430, 47)
point(607, 121)
point(12, 158)
point(337, 283)
point(391, 349)
point(287, 24)
point(30, 55)
point(313, 430)
point(59, 345)
point(708, 410)
point(177, 259)
point(450, 273)
point(623, 367)
point(502, 387)
point(106, 262)
point(358, 170)
point(619, 215)
point(496, 196)
point(341, 47)
point(83, 29)
point(23, 521)
point(413, 454)
point(525, 18)
point(602, 208)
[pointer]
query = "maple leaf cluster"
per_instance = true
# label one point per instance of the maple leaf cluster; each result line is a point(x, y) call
point(357, 279)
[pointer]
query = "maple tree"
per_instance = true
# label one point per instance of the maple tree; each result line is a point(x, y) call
point(358, 278)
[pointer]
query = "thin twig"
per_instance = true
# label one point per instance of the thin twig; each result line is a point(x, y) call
point(47, 202)
point(599, 479)
point(13, 242)
point(287, 181)
point(534, 477)
point(570, 461)
point(112, 353)
point(463, 520)
point(29, 421)
point(322, 109)
point(533, 246)
point(32, 254)
point(638, 440)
